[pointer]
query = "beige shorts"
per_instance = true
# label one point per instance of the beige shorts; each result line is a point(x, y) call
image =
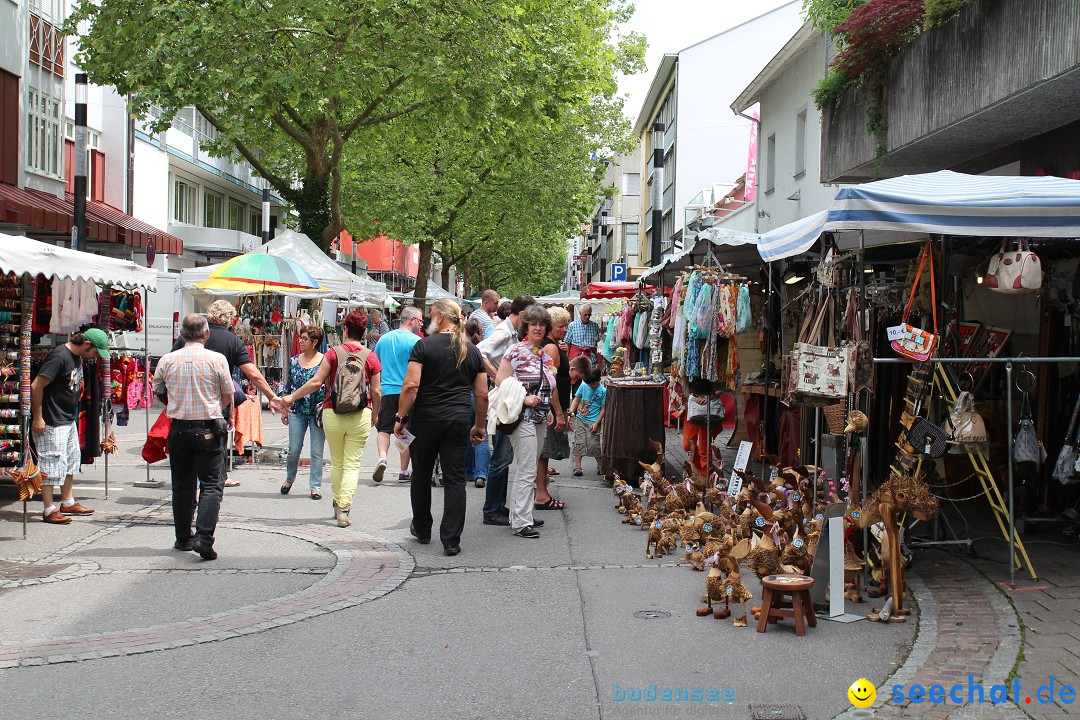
point(586, 442)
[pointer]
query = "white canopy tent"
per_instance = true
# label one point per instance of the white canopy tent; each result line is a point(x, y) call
point(339, 282)
point(716, 237)
point(21, 255)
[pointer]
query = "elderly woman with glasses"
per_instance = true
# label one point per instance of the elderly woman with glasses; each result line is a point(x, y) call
point(303, 416)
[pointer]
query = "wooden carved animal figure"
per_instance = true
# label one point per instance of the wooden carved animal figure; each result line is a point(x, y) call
point(734, 591)
point(690, 535)
point(656, 468)
point(619, 488)
point(795, 559)
point(631, 506)
point(714, 592)
point(697, 480)
point(648, 516)
point(661, 535)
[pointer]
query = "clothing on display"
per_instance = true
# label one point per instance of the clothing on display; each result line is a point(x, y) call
point(74, 304)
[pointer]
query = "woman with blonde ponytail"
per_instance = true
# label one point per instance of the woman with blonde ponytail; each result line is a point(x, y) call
point(445, 372)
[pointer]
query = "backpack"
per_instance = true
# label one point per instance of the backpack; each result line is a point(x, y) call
point(349, 393)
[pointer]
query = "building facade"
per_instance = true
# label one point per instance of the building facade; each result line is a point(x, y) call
point(703, 142)
point(614, 231)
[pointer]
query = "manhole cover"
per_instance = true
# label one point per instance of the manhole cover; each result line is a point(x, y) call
point(776, 712)
point(26, 571)
point(652, 614)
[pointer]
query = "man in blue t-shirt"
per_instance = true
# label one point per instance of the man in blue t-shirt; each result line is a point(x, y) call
point(393, 351)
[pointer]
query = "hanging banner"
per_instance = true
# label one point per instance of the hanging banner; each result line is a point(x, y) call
point(751, 161)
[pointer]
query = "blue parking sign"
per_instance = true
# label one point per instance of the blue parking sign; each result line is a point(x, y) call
point(618, 272)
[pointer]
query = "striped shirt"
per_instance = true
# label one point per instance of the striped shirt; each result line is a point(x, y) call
point(584, 335)
point(195, 379)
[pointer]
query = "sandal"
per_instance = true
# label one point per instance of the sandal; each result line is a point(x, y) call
point(551, 504)
point(552, 472)
point(578, 472)
point(285, 488)
point(316, 495)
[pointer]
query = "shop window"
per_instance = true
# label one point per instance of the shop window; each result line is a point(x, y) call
point(184, 198)
point(213, 210)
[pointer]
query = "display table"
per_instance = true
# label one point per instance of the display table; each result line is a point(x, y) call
point(633, 419)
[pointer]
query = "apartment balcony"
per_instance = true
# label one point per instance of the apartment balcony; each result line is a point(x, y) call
point(999, 73)
point(217, 241)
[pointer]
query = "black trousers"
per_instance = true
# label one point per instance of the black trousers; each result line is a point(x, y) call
point(444, 440)
point(196, 459)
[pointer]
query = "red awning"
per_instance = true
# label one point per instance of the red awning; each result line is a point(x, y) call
point(614, 290)
point(33, 209)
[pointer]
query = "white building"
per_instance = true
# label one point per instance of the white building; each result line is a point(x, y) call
point(789, 140)
point(615, 229)
point(691, 94)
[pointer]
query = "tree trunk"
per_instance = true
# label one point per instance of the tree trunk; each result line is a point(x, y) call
point(466, 279)
point(446, 277)
point(312, 203)
point(423, 272)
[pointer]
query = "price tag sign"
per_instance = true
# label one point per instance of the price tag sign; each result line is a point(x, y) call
point(742, 459)
point(896, 332)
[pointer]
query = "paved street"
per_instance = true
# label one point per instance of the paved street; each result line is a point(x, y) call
point(298, 616)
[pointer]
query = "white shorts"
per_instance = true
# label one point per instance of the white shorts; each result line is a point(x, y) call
point(58, 453)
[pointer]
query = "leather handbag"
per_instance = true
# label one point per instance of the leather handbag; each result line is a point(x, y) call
point(907, 340)
point(927, 438)
point(964, 426)
point(830, 272)
point(1014, 270)
point(1026, 445)
point(861, 368)
point(1065, 466)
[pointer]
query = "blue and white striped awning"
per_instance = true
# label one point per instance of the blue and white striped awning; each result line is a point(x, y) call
point(952, 203)
point(794, 238)
point(944, 202)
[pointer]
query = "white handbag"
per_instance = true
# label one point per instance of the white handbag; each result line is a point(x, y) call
point(1014, 270)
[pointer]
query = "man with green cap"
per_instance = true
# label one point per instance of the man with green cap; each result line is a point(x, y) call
point(54, 406)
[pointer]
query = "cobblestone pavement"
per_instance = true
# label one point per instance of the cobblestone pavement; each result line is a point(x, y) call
point(364, 569)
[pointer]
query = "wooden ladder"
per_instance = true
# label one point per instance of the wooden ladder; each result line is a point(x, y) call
point(986, 479)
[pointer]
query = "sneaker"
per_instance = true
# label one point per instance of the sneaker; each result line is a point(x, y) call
point(480, 482)
point(56, 518)
point(76, 509)
point(538, 523)
point(404, 477)
point(380, 469)
point(527, 532)
point(496, 519)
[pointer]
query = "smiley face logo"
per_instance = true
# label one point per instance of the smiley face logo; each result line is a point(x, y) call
point(862, 693)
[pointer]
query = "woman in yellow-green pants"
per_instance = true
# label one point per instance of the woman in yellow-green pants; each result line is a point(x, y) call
point(356, 394)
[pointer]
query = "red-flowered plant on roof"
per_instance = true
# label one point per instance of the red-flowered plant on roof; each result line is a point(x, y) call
point(875, 32)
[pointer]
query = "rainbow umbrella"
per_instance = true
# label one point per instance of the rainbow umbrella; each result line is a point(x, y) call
point(261, 272)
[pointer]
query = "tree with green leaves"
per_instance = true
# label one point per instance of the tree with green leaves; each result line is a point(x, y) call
point(295, 87)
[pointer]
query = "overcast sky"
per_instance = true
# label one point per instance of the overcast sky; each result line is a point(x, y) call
point(671, 25)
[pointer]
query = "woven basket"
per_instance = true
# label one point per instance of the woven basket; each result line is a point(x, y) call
point(836, 418)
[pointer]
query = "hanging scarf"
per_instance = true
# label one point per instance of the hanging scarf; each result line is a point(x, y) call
point(742, 311)
point(692, 290)
point(641, 330)
point(725, 321)
point(626, 334)
point(703, 314)
point(676, 303)
point(605, 348)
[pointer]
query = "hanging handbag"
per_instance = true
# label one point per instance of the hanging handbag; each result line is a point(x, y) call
point(830, 272)
point(1014, 271)
point(912, 342)
point(1026, 445)
point(965, 426)
point(821, 371)
point(861, 368)
point(925, 437)
point(1065, 466)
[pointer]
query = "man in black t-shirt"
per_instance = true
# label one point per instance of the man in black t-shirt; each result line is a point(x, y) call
point(54, 407)
point(445, 371)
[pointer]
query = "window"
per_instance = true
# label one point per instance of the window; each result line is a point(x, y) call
point(236, 215)
point(770, 163)
point(43, 133)
point(255, 223)
point(800, 143)
point(183, 202)
point(213, 210)
point(631, 184)
point(203, 129)
point(630, 240)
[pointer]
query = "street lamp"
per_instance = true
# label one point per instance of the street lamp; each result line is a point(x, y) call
point(657, 194)
point(78, 233)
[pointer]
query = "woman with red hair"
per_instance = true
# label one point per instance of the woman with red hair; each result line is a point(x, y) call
point(351, 374)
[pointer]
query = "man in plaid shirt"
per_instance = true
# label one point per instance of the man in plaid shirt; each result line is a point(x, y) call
point(198, 389)
point(583, 335)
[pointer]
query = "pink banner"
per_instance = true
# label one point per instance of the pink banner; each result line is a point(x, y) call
point(751, 162)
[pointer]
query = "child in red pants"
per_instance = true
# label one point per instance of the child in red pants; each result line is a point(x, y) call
point(704, 416)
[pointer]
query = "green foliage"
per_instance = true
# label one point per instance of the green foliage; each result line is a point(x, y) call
point(939, 12)
point(830, 89)
point(826, 15)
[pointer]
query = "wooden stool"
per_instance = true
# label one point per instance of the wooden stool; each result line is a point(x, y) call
point(773, 606)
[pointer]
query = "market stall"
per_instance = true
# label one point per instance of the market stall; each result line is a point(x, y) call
point(46, 293)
